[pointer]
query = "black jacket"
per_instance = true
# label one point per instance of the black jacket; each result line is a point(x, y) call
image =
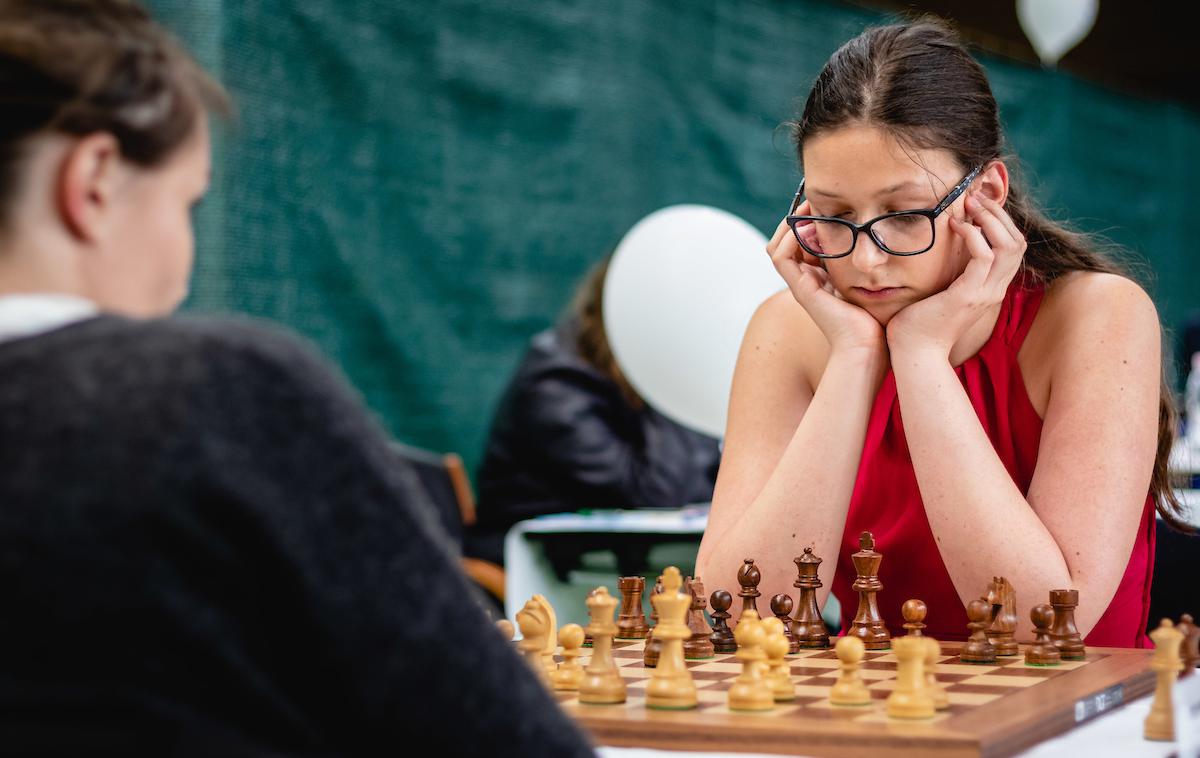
point(564, 439)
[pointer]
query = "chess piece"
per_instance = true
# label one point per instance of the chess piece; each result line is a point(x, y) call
point(933, 651)
point(569, 674)
point(748, 578)
point(722, 636)
point(778, 671)
point(914, 612)
point(551, 641)
point(868, 625)
point(653, 645)
point(1160, 723)
point(698, 646)
point(1190, 649)
point(911, 698)
point(631, 622)
point(602, 683)
point(1001, 631)
point(781, 606)
point(977, 649)
point(808, 628)
point(506, 629)
point(535, 628)
point(1043, 651)
point(750, 691)
point(1062, 631)
point(587, 638)
point(849, 688)
point(671, 686)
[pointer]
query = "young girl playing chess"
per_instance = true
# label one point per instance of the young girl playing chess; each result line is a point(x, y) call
point(972, 383)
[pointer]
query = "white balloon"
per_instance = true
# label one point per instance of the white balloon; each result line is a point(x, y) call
point(1055, 26)
point(680, 290)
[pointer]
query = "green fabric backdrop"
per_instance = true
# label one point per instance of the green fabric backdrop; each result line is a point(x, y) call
point(418, 186)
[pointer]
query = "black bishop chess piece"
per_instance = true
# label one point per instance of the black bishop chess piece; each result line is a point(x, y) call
point(748, 578)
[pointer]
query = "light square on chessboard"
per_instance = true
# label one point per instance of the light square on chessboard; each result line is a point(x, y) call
point(819, 663)
point(997, 680)
point(726, 667)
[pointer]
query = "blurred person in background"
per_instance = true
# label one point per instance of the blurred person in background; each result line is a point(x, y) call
point(570, 433)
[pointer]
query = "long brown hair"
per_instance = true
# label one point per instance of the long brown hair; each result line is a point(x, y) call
point(82, 66)
point(917, 81)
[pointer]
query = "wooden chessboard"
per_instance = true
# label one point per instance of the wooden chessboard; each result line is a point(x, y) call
point(995, 709)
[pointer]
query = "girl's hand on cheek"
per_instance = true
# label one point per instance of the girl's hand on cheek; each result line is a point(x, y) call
point(844, 324)
point(939, 321)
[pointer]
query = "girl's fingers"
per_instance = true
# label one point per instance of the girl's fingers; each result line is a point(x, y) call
point(1001, 215)
point(979, 266)
point(1008, 250)
point(780, 231)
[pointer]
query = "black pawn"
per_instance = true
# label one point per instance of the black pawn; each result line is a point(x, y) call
point(977, 648)
point(781, 606)
point(722, 636)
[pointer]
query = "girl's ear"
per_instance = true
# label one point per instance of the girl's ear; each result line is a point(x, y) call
point(992, 182)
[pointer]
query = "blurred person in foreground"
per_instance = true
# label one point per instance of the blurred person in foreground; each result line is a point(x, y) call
point(206, 546)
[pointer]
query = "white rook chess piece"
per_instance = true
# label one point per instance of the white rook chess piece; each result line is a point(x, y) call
point(911, 699)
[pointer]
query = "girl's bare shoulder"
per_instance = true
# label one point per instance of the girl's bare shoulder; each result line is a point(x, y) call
point(783, 335)
point(1086, 313)
point(1082, 303)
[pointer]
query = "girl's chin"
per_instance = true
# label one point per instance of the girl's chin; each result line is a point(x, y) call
point(882, 312)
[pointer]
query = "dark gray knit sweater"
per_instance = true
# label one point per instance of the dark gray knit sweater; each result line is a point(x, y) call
point(206, 548)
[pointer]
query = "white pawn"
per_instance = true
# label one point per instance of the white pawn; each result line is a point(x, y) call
point(750, 691)
point(849, 688)
point(569, 674)
point(779, 672)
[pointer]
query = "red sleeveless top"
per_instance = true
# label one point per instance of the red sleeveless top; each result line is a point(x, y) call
point(887, 503)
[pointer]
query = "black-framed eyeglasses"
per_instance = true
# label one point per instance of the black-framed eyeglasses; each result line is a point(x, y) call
point(898, 233)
